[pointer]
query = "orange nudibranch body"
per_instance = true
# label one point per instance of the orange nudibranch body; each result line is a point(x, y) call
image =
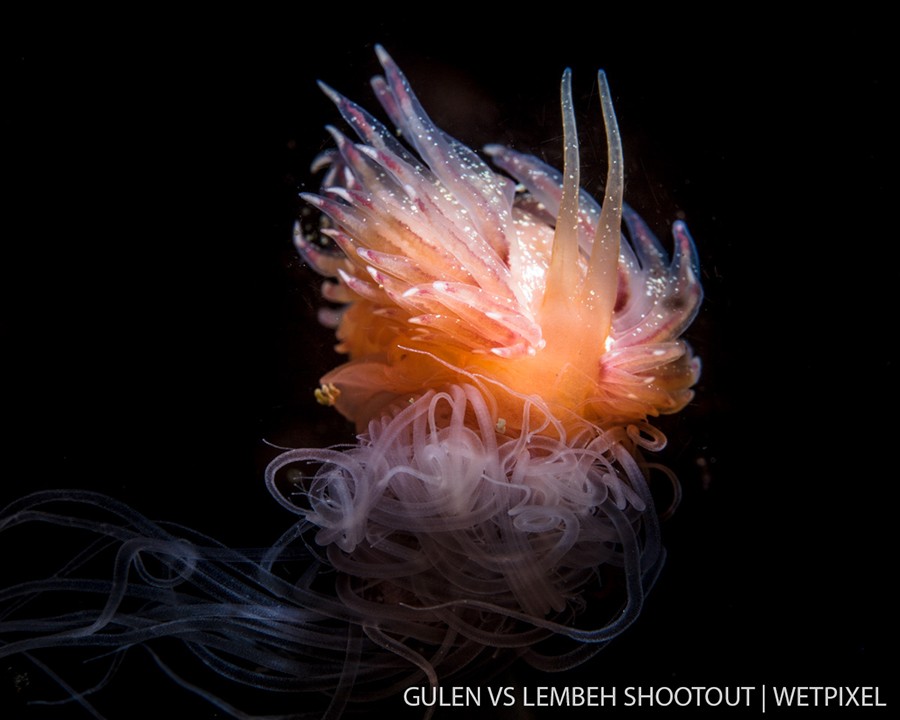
point(522, 283)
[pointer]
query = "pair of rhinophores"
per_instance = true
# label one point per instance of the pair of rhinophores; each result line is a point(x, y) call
point(507, 341)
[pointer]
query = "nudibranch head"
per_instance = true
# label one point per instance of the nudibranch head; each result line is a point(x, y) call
point(452, 271)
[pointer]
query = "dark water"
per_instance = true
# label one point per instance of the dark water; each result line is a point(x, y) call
point(157, 328)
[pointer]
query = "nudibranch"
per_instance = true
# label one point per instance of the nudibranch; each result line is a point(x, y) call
point(507, 343)
point(449, 271)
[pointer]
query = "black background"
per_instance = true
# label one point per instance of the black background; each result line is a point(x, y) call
point(158, 328)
